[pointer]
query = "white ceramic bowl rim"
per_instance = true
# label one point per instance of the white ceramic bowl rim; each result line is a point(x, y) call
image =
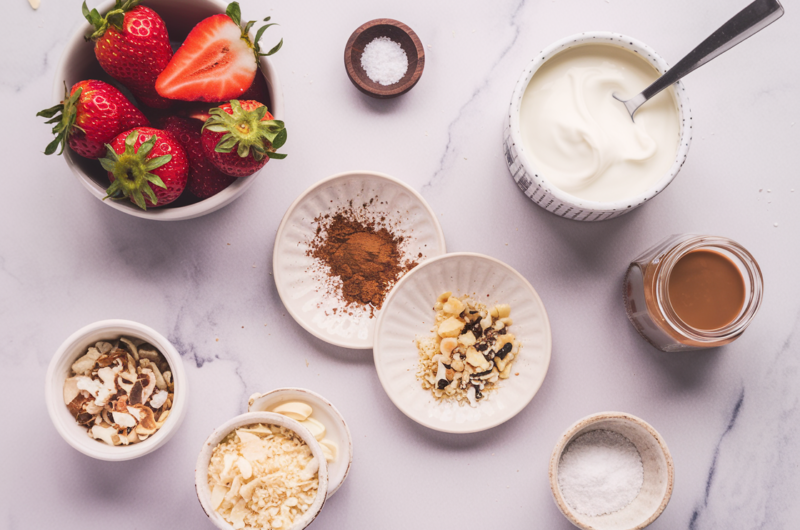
point(64, 422)
point(602, 38)
point(203, 207)
point(332, 488)
point(275, 269)
point(500, 418)
point(249, 418)
point(568, 435)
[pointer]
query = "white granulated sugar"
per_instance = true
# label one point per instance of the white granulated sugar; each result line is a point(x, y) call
point(600, 472)
point(384, 61)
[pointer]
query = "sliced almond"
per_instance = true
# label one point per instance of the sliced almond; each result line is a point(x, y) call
point(296, 410)
point(316, 428)
point(218, 495)
point(329, 449)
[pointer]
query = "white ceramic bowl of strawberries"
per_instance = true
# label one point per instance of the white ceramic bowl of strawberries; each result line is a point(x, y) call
point(80, 63)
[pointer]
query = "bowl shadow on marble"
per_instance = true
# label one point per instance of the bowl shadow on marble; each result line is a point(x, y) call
point(312, 343)
point(685, 370)
point(444, 441)
point(109, 482)
point(142, 248)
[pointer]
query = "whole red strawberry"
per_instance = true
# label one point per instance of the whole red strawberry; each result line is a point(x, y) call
point(132, 45)
point(216, 62)
point(146, 165)
point(92, 114)
point(241, 136)
point(205, 179)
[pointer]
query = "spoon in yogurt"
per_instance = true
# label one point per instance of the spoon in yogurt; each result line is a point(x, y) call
point(749, 21)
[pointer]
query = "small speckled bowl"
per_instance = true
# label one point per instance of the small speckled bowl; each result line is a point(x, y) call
point(325, 413)
point(536, 186)
point(75, 347)
point(250, 418)
point(658, 473)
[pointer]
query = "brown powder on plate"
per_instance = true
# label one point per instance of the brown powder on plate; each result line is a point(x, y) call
point(362, 253)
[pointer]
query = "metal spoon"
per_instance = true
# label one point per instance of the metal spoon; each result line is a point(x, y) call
point(746, 23)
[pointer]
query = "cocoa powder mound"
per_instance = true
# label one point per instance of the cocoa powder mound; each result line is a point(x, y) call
point(362, 253)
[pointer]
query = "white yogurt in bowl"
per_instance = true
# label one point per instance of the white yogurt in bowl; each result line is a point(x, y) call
point(573, 149)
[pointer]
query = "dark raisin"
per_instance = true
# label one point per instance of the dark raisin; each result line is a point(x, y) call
point(502, 331)
point(481, 346)
point(442, 383)
point(504, 351)
point(481, 374)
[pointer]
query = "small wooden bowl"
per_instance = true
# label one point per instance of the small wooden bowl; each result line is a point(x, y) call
point(398, 32)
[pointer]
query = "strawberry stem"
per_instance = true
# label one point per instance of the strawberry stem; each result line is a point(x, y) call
point(64, 122)
point(132, 171)
point(246, 131)
point(235, 14)
point(115, 17)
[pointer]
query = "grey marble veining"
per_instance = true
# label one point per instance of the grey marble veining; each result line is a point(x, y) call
point(730, 416)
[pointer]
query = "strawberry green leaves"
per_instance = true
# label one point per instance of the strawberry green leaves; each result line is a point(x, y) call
point(115, 17)
point(132, 170)
point(259, 33)
point(235, 14)
point(64, 122)
point(247, 131)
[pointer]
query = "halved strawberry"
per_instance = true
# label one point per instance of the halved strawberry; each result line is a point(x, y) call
point(217, 61)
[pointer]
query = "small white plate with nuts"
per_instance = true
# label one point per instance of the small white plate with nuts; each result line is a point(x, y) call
point(462, 344)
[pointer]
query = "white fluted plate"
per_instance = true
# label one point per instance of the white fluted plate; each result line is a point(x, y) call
point(301, 290)
point(408, 312)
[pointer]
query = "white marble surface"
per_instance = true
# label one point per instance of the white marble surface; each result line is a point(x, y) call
point(730, 416)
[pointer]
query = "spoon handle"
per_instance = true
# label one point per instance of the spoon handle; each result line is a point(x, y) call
point(749, 21)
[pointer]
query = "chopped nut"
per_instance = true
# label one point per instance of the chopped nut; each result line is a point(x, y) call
point(467, 338)
point(447, 346)
point(470, 350)
point(451, 327)
point(453, 306)
point(108, 391)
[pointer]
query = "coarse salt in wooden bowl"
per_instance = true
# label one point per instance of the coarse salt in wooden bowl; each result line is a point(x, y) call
point(399, 33)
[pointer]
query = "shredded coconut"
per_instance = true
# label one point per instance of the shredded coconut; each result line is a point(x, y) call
point(262, 476)
point(600, 472)
point(384, 60)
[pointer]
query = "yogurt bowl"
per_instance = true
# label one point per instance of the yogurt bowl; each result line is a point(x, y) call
point(78, 62)
point(533, 179)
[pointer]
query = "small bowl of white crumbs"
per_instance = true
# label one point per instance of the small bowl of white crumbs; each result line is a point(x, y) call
point(384, 58)
point(611, 471)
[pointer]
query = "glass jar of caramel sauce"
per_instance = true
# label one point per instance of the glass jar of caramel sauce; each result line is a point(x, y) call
point(691, 292)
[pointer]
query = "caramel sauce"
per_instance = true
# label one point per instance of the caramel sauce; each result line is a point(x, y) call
point(706, 289)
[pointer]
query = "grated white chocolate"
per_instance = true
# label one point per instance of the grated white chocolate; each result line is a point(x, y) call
point(262, 477)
